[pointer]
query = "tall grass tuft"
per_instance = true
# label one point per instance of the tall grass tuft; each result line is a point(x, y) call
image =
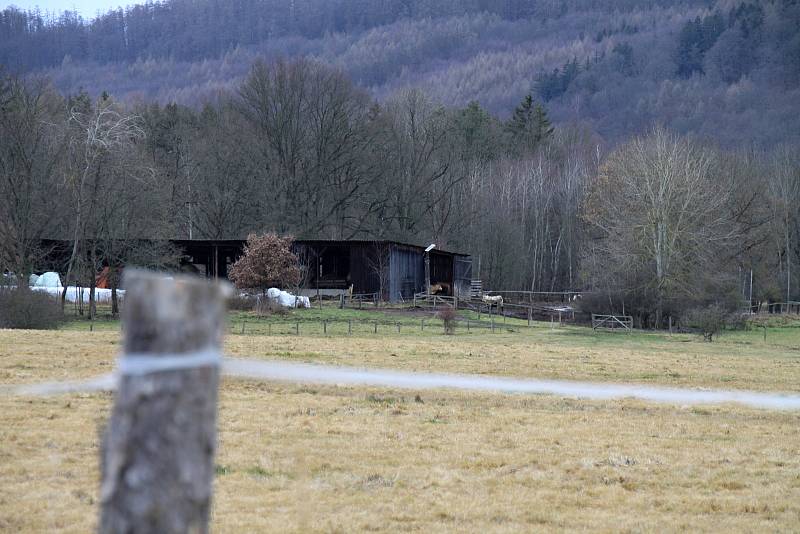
point(450, 320)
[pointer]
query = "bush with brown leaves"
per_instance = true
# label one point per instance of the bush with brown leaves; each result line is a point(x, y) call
point(268, 261)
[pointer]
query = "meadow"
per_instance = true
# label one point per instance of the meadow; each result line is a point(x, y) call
point(302, 457)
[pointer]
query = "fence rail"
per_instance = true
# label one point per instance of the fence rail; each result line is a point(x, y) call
point(792, 306)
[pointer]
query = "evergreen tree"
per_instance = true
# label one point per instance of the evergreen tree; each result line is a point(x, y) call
point(529, 127)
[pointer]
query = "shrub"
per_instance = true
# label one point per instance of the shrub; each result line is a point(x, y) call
point(267, 306)
point(24, 308)
point(267, 261)
point(449, 318)
point(710, 320)
point(242, 302)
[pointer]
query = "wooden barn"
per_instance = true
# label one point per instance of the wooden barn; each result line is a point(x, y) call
point(329, 266)
point(396, 269)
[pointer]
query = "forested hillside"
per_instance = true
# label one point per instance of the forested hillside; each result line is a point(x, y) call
point(725, 69)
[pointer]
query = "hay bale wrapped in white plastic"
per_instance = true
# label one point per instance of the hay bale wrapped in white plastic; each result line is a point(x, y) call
point(48, 279)
point(286, 299)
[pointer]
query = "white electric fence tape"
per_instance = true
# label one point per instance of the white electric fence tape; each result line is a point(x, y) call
point(351, 376)
point(137, 364)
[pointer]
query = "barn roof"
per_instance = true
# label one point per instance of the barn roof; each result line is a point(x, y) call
point(319, 242)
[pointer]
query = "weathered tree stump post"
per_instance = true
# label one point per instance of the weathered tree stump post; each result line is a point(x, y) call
point(157, 458)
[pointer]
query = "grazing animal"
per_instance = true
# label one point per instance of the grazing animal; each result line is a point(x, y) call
point(439, 288)
point(493, 300)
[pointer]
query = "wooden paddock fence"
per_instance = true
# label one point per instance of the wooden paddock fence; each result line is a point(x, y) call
point(612, 322)
point(424, 300)
point(358, 300)
point(319, 326)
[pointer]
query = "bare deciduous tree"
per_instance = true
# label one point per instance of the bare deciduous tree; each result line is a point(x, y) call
point(102, 146)
point(31, 148)
point(661, 217)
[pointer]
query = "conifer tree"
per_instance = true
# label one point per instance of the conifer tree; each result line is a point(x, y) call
point(529, 127)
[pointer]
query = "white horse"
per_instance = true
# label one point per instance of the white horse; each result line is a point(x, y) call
point(493, 300)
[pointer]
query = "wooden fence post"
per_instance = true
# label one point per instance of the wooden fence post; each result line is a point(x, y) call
point(324, 327)
point(157, 457)
point(349, 326)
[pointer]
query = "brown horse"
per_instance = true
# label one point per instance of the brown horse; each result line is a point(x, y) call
point(440, 288)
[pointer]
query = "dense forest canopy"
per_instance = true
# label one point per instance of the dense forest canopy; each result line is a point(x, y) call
point(728, 70)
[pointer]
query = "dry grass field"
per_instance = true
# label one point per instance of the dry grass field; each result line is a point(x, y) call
point(301, 458)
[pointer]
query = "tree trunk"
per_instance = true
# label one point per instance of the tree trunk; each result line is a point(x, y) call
point(92, 284)
point(112, 279)
point(158, 450)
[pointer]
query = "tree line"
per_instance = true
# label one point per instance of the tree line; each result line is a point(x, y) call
point(659, 224)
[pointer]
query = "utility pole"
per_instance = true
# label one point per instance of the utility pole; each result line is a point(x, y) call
point(428, 268)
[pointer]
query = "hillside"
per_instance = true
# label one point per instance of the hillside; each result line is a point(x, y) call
point(721, 69)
